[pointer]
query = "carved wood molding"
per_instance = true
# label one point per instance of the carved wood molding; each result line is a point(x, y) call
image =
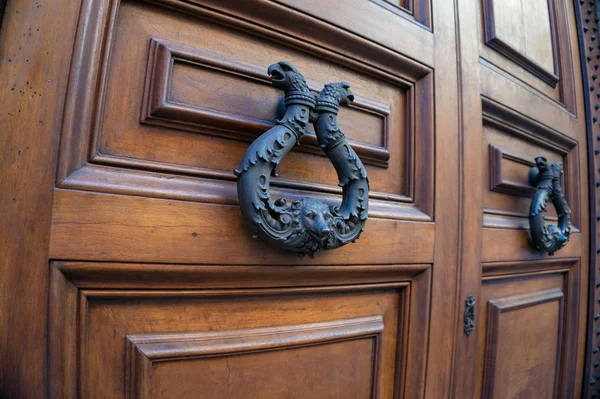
point(80, 158)
point(416, 10)
point(75, 286)
point(145, 350)
point(518, 125)
point(159, 109)
point(569, 269)
point(498, 182)
point(497, 307)
point(560, 46)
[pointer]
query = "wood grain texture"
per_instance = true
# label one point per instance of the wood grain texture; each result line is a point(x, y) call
point(272, 311)
point(156, 101)
point(509, 337)
point(35, 48)
point(524, 32)
point(520, 49)
point(89, 226)
point(521, 287)
point(118, 139)
point(501, 183)
point(165, 103)
point(148, 355)
point(511, 142)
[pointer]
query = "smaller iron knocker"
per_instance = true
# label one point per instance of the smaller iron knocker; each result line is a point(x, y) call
point(308, 225)
point(545, 177)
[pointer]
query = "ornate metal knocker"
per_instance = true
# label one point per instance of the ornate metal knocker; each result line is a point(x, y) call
point(308, 225)
point(545, 177)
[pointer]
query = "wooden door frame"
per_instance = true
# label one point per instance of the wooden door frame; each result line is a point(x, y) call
point(586, 13)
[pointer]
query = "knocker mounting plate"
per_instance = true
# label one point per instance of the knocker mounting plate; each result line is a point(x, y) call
point(307, 225)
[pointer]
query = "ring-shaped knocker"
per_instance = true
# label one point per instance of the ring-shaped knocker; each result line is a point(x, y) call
point(307, 225)
point(545, 177)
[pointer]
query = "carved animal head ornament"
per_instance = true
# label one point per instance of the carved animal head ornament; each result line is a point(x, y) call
point(307, 225)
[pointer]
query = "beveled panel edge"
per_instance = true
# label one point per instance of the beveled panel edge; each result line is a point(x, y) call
point(221, 343)
point(506, 304)
point(157, 109)
point(419, 13)
point(498, 182)
point(70, 282)
point(503, 269)
point(561, 48)
point(318, 31)
point(496, 43)
point(148, 276)
point(503, 244)
point(521, 301)
point(214, 187)
point(516, 124)
point(144, 349)
point(523, 61)
point(501, 219)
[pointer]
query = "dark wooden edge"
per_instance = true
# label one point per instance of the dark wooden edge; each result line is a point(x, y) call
point(2, 7)
point(587, 26)
point(84, 100)
point(419, 13)
point(523, 61)
point(157, 109)
point(521, 126)
point(507, 304)
point(571, 269)
point(73, 283)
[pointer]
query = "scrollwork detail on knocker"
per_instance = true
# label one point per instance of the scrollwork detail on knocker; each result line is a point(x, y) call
point(309, 224)
point(545, 177)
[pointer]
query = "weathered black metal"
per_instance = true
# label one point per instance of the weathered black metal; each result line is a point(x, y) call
point(469, 316)
point(545, 177)
point(307, 225)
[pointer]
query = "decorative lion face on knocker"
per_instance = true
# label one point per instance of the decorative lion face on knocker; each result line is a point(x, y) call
point(316, 220)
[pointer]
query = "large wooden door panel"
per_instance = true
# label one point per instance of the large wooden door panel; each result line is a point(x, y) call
point(172, 106)
point(212, 331)
point(163, 99)
point(528, 329)
point(531, 312)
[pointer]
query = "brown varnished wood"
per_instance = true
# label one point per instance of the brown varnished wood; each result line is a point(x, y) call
point(587, 28)
point(468, 279)
point(180, 232)
point(526, 112)
point(236, 302)
point(150, 356)
point(129, 273)
point(35, 44)
point(516, 286)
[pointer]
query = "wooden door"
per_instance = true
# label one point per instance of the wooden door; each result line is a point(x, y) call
point(522, 86)
point(127, 268)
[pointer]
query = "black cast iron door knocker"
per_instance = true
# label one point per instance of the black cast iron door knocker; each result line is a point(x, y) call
point(308, 225)
point(545, 177)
